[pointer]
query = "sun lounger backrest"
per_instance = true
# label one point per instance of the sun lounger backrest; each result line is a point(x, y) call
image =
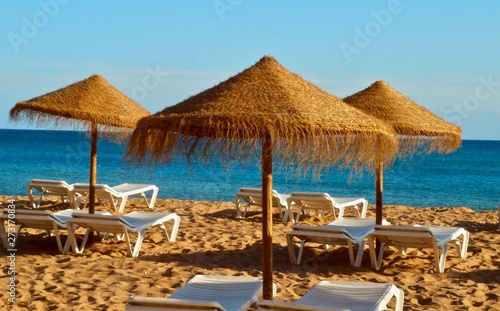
point(405, 236)
point(30, 212)
point(109, 219)
point(50, 182)
point(325, 229)
point(104, 188)
point(232, 292)
point(51, 187)
point(254, 195)
point(35, 219)
point(355, 295)
point(312, 199)
point(249, 190)
point(98, 188)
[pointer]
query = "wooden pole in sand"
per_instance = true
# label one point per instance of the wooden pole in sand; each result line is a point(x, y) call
point(379, 189)
point(93, 168)
point(267, 216)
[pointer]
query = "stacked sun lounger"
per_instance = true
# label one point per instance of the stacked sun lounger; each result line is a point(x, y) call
point(122, 226)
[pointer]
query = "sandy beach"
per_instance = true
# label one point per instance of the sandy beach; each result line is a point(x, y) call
point(212, 241)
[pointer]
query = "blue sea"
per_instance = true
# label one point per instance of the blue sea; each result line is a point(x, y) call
point(469, 176)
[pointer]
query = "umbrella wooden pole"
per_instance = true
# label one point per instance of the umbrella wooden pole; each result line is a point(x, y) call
point(379, 188)
point(267, 217)
point(93, 168)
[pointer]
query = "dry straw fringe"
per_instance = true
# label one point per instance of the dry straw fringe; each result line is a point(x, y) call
point(52, 122)
point(317, 151)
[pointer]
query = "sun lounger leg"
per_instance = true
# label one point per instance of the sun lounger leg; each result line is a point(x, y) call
point(440, 258)
point(175, 229)
point(32, 199)
point(3, 234)
point(301, 251)
point(239, 213)
point(364, 208)
point(465, 245)
point(152, 202)
point(237, 205)
point(76, 200)
point(299, 211)
point(341, 213)
point(67, 245)
point(72, 237)
point(285, 215)
point(351, 253)
point(462, 247)
point(120, 203)
point(400, 298)
point(376, 259)
point(291, 249)
point(138, 243)
point(247, 206)
point(58, 239)
point(18, 231)
point(359, 256)
point(5, 239)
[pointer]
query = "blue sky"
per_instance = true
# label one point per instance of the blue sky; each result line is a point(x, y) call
point(442, 54)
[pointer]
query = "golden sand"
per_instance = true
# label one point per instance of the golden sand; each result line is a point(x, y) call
point(212, 241)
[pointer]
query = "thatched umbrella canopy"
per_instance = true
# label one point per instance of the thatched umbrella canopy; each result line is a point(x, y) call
point(418, 129)
point(269, 109)
point(85, 104)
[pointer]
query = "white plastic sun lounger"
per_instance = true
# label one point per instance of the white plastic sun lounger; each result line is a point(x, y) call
point(117, 196)
point(434, 237)
point(205, 292)
point(121, 226)
point(51, 187)
point(321, 202)
point(346, 231)
point(337, 295)
point(253, 196)
point(38, 219)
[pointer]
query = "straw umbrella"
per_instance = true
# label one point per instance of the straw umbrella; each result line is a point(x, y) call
point(264, 109)
point(418, 129)
point(87, 104)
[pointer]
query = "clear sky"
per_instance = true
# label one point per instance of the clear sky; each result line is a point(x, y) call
point(445, 55)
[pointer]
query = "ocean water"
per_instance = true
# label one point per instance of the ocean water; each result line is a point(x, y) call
point(469, 176)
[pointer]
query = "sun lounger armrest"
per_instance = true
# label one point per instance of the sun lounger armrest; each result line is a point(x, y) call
point(289, 306)
point(175, 303)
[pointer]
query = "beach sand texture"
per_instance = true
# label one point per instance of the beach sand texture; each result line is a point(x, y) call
point(212, 241)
